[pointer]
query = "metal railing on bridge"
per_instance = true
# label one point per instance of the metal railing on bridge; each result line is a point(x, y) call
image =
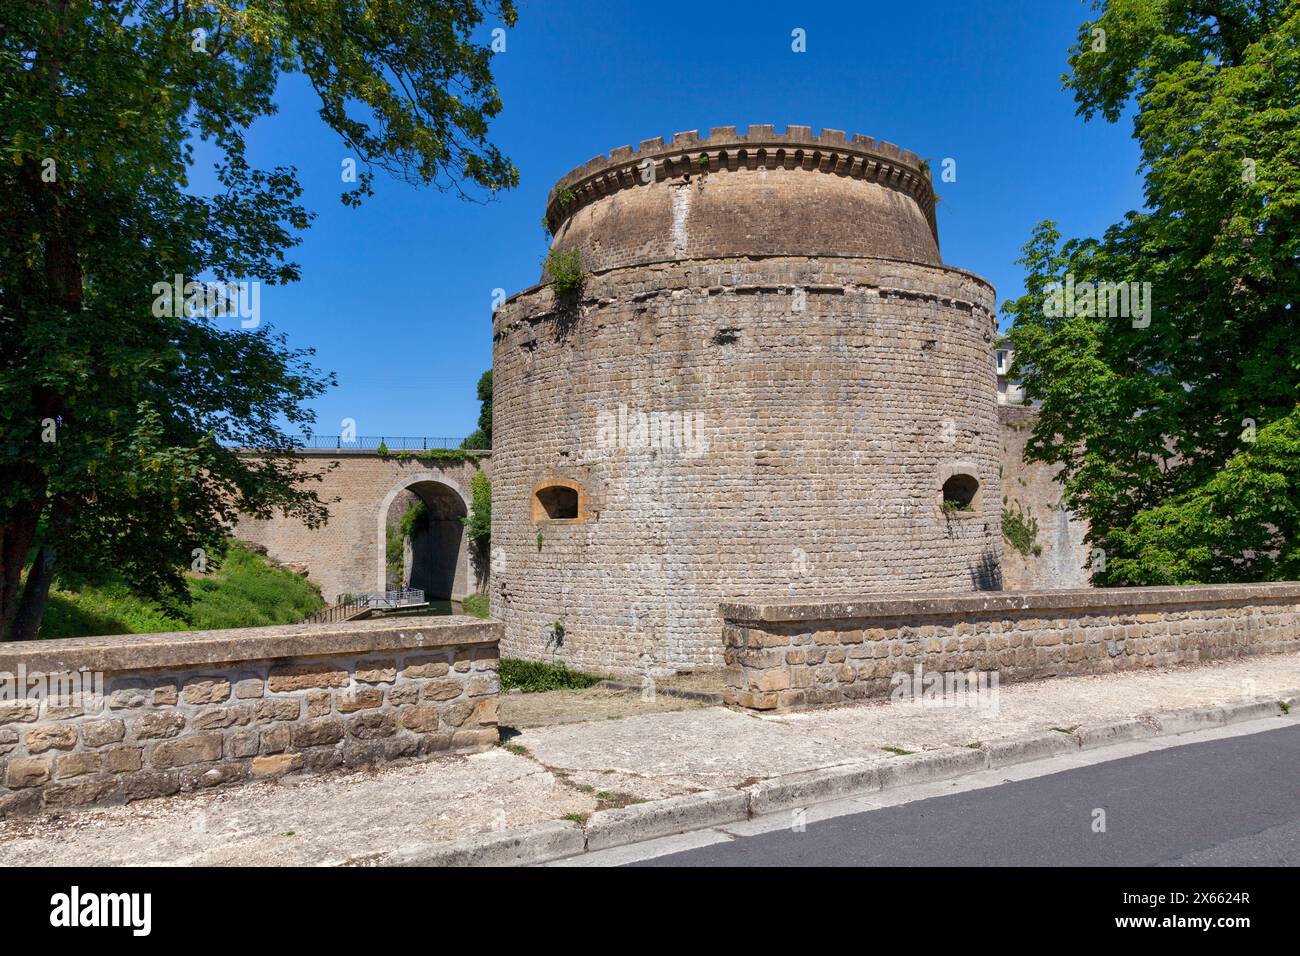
point(352, 606)
point(373, 442)
point(388, 600)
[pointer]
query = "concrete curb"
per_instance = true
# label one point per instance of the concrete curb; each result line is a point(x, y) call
point(518, 846)
point(555, 839)
point(812, 786)
point(1014, 750)
point(644, 821)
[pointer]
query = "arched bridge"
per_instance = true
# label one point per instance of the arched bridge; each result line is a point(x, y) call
point(365, 492)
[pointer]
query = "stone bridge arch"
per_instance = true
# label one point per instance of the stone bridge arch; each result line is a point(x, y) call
point(347, 554)
point(441, 565)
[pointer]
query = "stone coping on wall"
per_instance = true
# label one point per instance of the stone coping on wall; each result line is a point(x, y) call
point(172, 650)
point(922, 604)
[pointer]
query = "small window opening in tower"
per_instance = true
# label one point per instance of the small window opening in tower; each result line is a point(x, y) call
point(558, 502)
point(959, 493)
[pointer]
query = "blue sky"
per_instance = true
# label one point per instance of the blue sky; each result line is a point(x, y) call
point(396, 296)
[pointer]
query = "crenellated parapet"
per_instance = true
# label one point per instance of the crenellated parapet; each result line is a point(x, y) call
point(760, 147)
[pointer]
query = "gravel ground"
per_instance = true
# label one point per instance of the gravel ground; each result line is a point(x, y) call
point(518, 711)
point(632, 750)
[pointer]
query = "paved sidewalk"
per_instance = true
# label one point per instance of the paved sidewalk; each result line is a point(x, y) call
point(573, 769)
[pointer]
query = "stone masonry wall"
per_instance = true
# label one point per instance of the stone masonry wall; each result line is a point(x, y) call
point(1031, 490)
point(192, 710)
point(829, 400)
point(784, 656)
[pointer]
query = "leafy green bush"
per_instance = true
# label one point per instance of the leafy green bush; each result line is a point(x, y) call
point(535, 676)
point(1021, 530)
point(564, 266)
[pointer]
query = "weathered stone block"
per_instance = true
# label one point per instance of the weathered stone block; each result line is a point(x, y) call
point(423, 718)
point(51, 737)
point(99, 733)
point(376, 671)
point(304, 676)
point(250, 688)
point(220, 718)
point(122, 759)
point(27, 772)
point(74, 765)
point(206, 690)
point(372, 724)
point(147, 784)
point(276, 738)
point(160, 725)
point(243, 743)
point(279, 708)
point(276, 766)
point(443, 690)
point(317, 733)
point(364, 698)
point(185, 751)
point(79, 794)
point(19, 711)
point(425, 667)
point(477, 738)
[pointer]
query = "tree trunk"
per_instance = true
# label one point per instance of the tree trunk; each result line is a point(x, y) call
point(36, 593)
point(16, 537)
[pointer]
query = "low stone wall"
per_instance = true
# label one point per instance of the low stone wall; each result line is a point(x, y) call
point(105, 720)
point(801, 654)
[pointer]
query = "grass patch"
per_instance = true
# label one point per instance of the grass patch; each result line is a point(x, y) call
point(615, 800)
point(536, 676)
point(1066, 730)
point(1286, 708)
point(475, 604)
point(518, 750)
point(897, 751)
point(246, 591)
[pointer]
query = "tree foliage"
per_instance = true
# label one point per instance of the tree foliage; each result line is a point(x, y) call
point(1179, 440)
point(481, 437)
point(117, 424)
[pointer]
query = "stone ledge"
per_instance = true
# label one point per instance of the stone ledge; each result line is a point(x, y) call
point(180, 649)
point(859, 607)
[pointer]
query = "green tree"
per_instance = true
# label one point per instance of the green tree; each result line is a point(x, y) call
point(119, 410)
point(1179, 437)
point(481, 437)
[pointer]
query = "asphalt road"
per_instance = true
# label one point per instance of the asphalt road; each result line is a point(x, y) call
point(1232, 802)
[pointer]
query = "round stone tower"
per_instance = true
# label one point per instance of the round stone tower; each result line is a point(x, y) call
point(767, 385)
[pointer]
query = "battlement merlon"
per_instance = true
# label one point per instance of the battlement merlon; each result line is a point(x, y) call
point(831, 151)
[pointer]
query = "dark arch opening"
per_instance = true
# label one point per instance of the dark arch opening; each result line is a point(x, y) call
point(437, 540)
point(558, 501)
point(959, 492)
